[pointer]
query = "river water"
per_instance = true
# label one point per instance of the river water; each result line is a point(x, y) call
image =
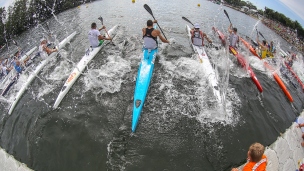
point(181, 126)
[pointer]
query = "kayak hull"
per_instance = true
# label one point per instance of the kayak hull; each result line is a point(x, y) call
point(207, 67)
point(275, 75)
point(295, 76)
point(90, 54)
point(144, 76)
point(243, 62)
point(37, 70)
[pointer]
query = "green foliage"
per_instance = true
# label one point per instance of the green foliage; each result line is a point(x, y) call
point(25, 14)
point(279, 17)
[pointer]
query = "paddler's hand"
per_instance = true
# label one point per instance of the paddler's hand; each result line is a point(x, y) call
point(103, 27)
point(155, 21)
point(299, 126)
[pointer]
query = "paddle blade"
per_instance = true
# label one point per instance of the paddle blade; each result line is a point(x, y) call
point(227, 16)
point(262, 35)
point(101, 20)
point(149, 10)
point(187, 20)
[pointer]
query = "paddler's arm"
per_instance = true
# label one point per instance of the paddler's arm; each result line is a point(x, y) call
point(156, 33)
point(48, 50)
point(100, 37)
point(103, 27)
point(205, 35)
point(300, 125)
point(259, 43)
point(229, 28)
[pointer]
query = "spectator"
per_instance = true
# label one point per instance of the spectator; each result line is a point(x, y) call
point(256, 160)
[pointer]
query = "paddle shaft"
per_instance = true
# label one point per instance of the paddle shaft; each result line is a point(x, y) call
point(186, 19)
point(101, 20)
point(150, 11)
point(227, 16)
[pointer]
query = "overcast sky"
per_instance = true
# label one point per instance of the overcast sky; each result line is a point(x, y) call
point(290, 8)
point(6, 3)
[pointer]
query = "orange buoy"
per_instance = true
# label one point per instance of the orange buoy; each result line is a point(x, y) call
point(198, 5)
point(133, 1)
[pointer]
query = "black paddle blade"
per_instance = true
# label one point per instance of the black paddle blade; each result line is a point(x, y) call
point(227, 16)
point(262, 35)
point(187, 20)
point(149, 10)
point(101, 20)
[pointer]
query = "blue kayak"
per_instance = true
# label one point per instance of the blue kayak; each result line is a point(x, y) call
point(145, 72)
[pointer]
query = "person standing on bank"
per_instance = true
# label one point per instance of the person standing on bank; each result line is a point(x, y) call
point(233, 37)
point(256, 159)
point(197, 36)
point(150, 36)
point(95, 38)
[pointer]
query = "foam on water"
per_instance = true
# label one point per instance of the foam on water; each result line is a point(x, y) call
point(107, 78)
point(203, 106)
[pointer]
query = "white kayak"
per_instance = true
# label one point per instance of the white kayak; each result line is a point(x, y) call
point(12, 73)
point(89, 55)
point(37, 70)
point(28, 54)
point(206, 65)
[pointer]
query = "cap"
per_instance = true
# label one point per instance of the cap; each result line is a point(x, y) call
point(196, 25)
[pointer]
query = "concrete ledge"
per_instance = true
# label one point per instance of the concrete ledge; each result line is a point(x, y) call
point(9, 163)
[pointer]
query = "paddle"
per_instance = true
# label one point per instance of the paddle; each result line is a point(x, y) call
point(262, 35)
point(210, 45)
point(101, 20)
point(150, 11)
point(187, 20)
point(227, 16)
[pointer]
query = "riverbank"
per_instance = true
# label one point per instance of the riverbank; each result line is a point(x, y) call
point(286, 33)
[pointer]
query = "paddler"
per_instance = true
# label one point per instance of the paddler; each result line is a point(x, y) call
point(44, 50)
point(95, 38)
point(150, 36)
point(233, 37)
point(4, 70)
point(271, 49)
point(197, 36)
point(263, 47)
point(18, 67)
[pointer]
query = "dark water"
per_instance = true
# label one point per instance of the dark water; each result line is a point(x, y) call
point(181, 127)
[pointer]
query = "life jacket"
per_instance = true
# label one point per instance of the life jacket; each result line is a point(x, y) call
point(233, 39)
point(259, 163)
point(150, 42)
point(18, 68)
point(264, 53)
point(197, 38)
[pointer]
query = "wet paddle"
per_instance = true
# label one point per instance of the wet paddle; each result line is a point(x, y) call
point(262, 35)
point(187, 20)
point(101, 20)
point(211, 44)
point(150, 11)
point(227, 16)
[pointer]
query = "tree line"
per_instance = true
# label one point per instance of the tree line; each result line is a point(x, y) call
point(281, 18)
point(25, 14)
point(271, 14)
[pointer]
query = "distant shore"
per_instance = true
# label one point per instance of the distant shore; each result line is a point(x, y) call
point(286, 33)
